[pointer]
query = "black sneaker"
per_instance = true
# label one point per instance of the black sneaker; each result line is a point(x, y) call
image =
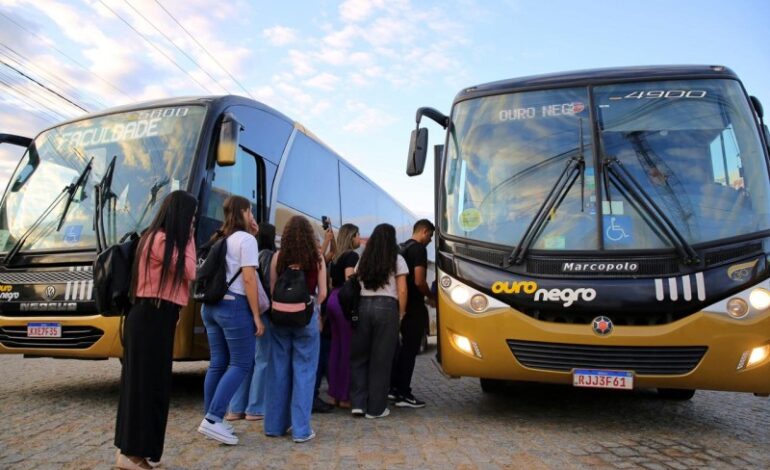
point(320, 406)
point(409, 401)
point(393, 395)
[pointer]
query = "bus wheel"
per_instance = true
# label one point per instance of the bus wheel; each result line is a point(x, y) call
point(492, 385)
point(676, 393)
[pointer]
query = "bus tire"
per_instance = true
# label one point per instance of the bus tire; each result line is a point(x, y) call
point(676, 393)
point(492, 385)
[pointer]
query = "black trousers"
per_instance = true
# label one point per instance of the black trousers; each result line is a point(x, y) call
point(413, 327)
point(371, 353)
point(145, 381)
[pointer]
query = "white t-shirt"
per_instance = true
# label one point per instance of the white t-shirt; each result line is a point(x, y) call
point(390, 289)
point(242, 251)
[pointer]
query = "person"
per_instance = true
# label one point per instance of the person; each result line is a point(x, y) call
point(291, 370)
point(248, 402)
point(343, 266)
point(382, 274)
point(163, 267)
point(329, 249)
point(233, 322)
point(415, 322)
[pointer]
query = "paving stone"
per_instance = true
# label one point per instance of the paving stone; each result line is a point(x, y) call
point(61, 414)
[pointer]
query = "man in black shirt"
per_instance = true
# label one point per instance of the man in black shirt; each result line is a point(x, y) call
point(415, 323)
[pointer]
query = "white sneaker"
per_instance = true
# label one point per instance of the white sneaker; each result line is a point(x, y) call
point(218, 432)
point(357, 412)
point(384, 414)
point(299, 440)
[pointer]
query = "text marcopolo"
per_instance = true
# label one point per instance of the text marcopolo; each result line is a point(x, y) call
point(624, 267)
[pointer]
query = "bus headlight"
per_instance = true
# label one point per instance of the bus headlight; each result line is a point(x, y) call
point(479, 302)
point(758, 355)
point(759, 298)
point(737, 307)
point(466, 297)
point(754, 356)
point(460, 295)
point(466, 345)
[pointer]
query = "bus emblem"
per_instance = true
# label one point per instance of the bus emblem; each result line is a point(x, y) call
point(50, 292)
point(602, 326)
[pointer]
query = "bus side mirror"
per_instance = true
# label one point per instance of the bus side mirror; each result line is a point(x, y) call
point(757, 106)
point(229, 133)
point(418, 151)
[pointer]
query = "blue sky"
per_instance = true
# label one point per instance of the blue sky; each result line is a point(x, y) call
point(354, 71)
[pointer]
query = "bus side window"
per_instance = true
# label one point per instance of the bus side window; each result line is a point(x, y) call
point(310, 182)
point(240, 180)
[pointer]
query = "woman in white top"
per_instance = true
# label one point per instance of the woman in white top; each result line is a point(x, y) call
point(382, 273)
point(233, 322)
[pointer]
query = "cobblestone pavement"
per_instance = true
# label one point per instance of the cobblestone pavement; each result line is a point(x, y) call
point(60, 414)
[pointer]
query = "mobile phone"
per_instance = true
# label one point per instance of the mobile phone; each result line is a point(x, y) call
point(325, 222)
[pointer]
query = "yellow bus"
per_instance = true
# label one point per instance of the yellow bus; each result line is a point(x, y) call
point(84, 184)
point(604, 228)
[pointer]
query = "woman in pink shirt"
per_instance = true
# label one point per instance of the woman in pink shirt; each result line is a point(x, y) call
point(163, 267)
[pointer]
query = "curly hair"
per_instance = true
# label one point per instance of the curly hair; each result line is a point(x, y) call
point(378, 261)
point(298, 246)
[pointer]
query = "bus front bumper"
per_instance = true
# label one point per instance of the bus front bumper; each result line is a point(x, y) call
point(85, 337)
point(495, 340)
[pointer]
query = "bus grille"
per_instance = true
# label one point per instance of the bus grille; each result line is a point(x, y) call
point(73, 337)
point(663, 360)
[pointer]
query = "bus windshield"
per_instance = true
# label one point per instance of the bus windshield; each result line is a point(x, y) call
point(153, 150)
point(691, 147)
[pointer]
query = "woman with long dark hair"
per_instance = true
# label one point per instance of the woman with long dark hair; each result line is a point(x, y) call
point(163, 267)
point(293, 360)
point(382, 273)
point(233, 322)
point(342, 267)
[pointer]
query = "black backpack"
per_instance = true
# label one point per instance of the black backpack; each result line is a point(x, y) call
point(265, 258)
point(112, 276)
point(292, 305)
point(211, 283)
point(349, 296)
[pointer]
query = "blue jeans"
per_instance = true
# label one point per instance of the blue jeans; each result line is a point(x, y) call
point(250, 396)
point(230, 329)
point(291, 374)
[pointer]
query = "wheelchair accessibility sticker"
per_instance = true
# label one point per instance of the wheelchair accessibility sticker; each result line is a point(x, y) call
point(618, 230)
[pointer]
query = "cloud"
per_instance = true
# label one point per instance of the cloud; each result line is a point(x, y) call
point(366, 118)
point(280, 35)
point(358, 10)
point(324, 81)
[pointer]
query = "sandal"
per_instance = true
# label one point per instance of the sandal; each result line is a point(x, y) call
point(124, 462)
point(232, 416)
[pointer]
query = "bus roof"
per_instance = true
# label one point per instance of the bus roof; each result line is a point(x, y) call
point(221, 101)
point(597, 76)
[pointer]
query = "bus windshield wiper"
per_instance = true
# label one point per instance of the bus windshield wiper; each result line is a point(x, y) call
point(68, 192)
point(559, 190)
point(104, 194)
point(575, 169)
point(72, 189)
point(612, 168)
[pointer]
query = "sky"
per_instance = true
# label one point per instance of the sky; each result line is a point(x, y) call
point(354, 71)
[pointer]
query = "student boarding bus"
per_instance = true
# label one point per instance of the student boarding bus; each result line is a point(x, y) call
point(604, 228)
point(84, 184)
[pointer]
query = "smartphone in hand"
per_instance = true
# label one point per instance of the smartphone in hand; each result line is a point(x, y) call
point(325, 223)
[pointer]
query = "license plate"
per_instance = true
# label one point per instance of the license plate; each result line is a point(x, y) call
point(43, 330)
point(618, 379)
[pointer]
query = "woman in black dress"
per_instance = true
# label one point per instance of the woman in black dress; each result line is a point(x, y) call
point(163, 267)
